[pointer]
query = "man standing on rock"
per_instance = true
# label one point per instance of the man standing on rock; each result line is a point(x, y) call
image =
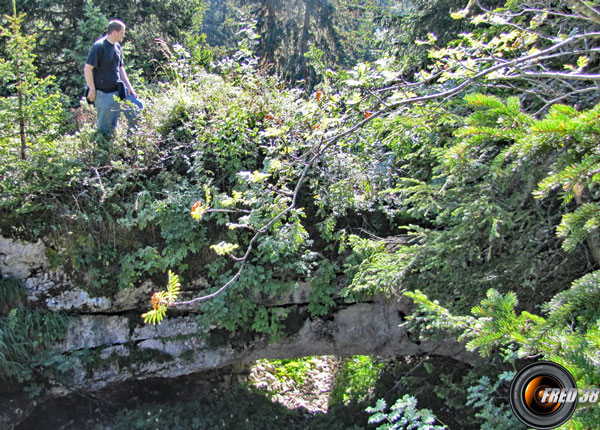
point(104, 74)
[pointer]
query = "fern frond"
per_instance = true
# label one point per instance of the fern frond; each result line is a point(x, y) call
point(173, 286)
point(161, 300)
point(155, 316)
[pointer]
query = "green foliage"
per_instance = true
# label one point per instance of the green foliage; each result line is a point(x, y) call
point(89, 29)
point(402, 415)
point(476, 211)
point(355, 380)
point(292, 369)
point(12, 291)
point(578, 225)
point(322, 284)
point(364, 252)
point(578, 307)
point(232, 149)
point(497, 192)
point(569, 335)
point(484, 397)
point(433, 317)
point(287, 31)
point(551, 157)
point(499, 322)
point(24, 335)
point(130, 221)
point(494, 325)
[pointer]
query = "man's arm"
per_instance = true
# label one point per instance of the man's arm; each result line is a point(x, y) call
point(125, 79)
point(89, 80)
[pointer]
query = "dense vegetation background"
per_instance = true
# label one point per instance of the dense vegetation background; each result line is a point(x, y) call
point(365, 147)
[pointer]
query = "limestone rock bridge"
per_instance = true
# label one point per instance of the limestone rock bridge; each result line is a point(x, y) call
point(111, 330)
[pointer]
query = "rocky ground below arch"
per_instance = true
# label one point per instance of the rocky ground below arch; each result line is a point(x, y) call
point(309, 388)
point(96, 411)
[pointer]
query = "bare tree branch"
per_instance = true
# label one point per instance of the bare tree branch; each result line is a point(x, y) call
point(565, 96)
point(553, 75)
point(234, 211)
point(586, 9)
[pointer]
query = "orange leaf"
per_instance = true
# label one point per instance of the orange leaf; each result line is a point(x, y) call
point(156, 302)
point(197, 210)
point(368, 114)
point(319, 94)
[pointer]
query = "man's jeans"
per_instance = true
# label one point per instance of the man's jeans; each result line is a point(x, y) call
point(109, 107)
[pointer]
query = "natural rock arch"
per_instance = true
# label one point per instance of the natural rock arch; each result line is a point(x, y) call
point(110, 330)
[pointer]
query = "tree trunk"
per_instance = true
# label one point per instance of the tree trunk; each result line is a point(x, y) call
point(22, 121)
point(21, 113)
point(304, 72)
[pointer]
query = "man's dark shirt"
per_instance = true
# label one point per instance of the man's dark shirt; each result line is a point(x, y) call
point(106, 59)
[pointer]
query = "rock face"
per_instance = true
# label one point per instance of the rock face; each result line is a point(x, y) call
point(107, 343)
point(175, 348)
point(53, 290)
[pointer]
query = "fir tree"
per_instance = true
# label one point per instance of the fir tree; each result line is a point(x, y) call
point(27, 102)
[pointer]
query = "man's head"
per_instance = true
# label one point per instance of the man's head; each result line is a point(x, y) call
point(116, 30)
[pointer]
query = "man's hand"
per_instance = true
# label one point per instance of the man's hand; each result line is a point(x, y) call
point(88, 73)
point(91, 95)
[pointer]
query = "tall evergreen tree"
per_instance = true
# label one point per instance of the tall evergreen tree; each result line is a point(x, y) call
point(90, 27)
point(342, 30)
